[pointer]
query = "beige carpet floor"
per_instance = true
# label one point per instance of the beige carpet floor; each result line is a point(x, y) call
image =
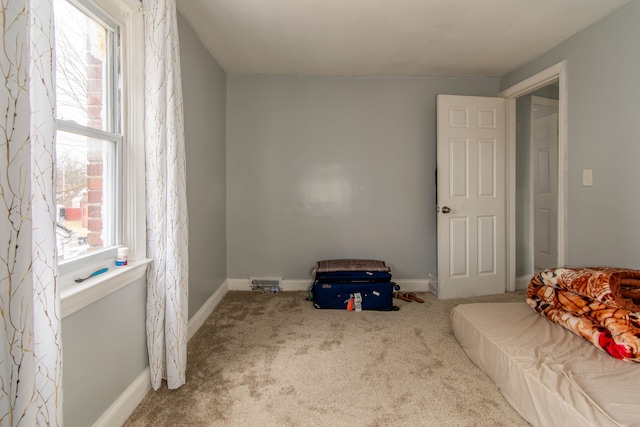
point(274, 360)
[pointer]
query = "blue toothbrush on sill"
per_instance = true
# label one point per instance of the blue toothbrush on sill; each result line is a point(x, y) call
point(95, 273)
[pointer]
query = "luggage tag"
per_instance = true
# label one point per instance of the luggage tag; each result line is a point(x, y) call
point(357, 302)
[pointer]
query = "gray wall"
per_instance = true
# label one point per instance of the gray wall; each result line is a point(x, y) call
point(104, 350)
point(204, 91)
point(323, 168)
point(603, 80)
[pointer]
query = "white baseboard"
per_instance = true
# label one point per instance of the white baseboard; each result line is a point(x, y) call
point(126, 403)
point(207, 308)
point(413, 285)
point(296, 285)
point(522, 282)
point(122, 408)
point(238, 284)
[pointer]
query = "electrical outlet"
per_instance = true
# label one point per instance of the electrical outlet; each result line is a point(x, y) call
point(587, 178)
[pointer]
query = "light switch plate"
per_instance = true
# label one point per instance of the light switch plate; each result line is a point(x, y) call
point(587, 178)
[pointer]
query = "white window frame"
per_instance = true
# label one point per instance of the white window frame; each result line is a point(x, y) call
point(111, 134)
point(75, 296)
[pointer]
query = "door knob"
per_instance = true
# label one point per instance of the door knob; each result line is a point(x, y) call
point(446, 209)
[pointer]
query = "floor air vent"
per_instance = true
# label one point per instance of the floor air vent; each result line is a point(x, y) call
point(266, 284)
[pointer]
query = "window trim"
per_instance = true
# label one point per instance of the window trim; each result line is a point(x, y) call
point(128, 15)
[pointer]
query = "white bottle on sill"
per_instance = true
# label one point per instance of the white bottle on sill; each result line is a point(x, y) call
point(122, 257)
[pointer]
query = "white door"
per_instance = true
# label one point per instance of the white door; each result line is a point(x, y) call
point(545, 194)
point(471, 156)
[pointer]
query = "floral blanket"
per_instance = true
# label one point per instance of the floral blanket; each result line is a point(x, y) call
point(602, 305)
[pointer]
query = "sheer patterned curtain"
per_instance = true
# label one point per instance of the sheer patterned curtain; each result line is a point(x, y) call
point(167, 222)
point(30, 345)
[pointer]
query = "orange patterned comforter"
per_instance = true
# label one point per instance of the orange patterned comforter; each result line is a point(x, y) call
point(602, 305)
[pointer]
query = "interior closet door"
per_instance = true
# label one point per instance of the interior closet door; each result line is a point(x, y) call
point(545, 161)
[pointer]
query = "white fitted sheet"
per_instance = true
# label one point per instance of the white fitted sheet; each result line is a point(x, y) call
point(551, 376)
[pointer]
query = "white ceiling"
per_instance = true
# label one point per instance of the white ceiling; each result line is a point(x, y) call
point(386, 37)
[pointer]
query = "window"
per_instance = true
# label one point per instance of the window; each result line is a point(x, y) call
point(89, 134)
point(100, 146)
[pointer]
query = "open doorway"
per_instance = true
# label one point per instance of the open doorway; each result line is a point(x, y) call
point(537, 175)
point(543, 182)
point(537, 181)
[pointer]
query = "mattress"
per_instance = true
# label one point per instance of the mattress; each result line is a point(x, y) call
point(549, 375)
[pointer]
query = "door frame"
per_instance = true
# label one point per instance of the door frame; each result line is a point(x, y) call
point(541, 79)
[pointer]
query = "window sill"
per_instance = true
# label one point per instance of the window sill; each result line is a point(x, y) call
point(76, 296)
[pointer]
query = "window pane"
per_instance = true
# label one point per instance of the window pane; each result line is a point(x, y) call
point(82, 68)
point(84, 194)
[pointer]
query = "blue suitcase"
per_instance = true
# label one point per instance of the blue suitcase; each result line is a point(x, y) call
point(337, 294)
